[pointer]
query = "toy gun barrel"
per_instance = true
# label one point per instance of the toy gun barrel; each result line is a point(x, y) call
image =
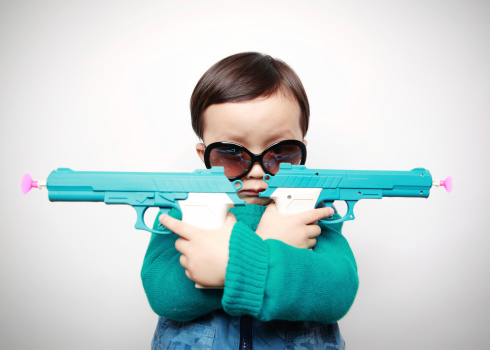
point(344, 184)
point(203, 196)
point(378, 184)
point(68, 185)
point(296, 188)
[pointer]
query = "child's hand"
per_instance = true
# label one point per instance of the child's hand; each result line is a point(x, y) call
point(298, 230)
point(204, 252)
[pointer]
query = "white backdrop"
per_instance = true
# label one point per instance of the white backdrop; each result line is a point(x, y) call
point(105, 85)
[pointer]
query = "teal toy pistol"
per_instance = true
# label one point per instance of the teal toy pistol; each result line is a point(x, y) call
point(295, 188)
point(203, 197)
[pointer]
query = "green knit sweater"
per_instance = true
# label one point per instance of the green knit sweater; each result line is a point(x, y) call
point(266, 279)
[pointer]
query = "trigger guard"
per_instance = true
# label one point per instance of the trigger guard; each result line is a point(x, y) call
point(349, 215)
point(140, 221)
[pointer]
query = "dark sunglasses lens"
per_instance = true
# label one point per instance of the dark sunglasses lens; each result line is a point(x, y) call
point(234, 159)
point(282, 153)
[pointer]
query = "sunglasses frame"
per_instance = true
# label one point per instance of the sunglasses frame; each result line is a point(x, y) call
point(255, 158)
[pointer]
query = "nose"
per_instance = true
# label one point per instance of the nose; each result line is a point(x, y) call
point(256, 172)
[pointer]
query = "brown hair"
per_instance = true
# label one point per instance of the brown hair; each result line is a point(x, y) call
point(243, 77)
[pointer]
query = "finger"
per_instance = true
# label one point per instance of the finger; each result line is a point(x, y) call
point(311, 242)
point(311, 216)
point(176, 226)
point(181, 245)
point(313, 231)
point(183, 261)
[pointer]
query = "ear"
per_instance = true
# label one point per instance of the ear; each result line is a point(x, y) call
point(200, 150)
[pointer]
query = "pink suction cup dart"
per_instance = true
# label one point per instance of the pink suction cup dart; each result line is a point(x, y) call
point(27, 184)
point(447, 183)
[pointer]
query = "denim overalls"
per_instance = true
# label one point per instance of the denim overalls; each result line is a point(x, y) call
point(219, 331)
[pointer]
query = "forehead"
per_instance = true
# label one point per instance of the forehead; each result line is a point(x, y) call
point(257, 122)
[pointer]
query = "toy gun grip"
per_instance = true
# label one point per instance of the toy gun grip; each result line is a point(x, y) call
point(297, 200)
point(206, 210)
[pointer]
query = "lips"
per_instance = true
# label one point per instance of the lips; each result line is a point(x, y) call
point(252, 191)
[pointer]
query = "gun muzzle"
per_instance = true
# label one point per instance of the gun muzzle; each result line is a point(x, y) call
point(446, 183)
point(28, 183)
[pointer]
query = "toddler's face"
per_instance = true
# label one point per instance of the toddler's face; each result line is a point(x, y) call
point(254, 124)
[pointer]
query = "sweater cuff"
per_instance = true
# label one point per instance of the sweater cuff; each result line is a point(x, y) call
point(246, 273)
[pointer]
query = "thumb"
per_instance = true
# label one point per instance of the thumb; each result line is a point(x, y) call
point(271, 207)
point(230, 219)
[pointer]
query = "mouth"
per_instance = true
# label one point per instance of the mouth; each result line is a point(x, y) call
point(252, 191)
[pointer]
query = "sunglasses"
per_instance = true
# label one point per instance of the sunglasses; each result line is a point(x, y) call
point(238, 161)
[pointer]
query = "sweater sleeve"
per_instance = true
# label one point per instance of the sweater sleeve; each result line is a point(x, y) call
point(271, 280)
point(170, 293)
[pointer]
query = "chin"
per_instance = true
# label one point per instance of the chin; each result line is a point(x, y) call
point(256, 200)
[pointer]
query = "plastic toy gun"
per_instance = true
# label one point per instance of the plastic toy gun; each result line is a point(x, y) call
point(296, 188)
point(203, 197)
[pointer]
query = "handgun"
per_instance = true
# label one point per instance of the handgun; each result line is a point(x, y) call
point(203, 197)
point(295, 188)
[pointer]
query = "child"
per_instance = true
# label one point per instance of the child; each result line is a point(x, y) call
point(278, 281)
